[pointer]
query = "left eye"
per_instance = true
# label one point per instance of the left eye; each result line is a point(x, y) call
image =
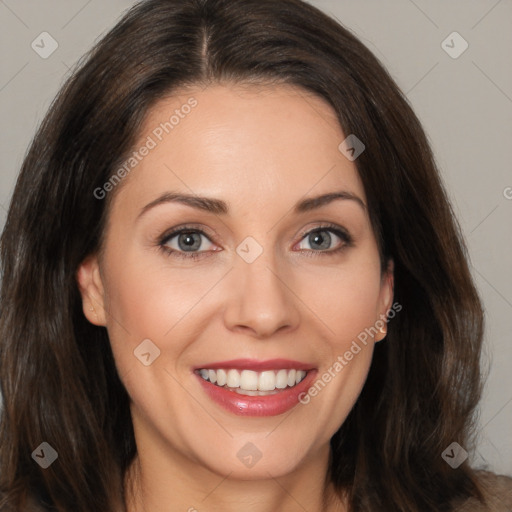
point(320, 239)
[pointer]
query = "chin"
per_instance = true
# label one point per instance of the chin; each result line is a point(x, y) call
point(256, 460)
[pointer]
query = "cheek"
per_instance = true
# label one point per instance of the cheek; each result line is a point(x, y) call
point(345, 302)
point(152, 304)
point(343, 297)
point(149, 300)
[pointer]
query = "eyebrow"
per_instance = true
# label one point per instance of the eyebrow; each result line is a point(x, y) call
point(220, 207)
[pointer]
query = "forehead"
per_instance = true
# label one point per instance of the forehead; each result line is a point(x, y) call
point(243, 143)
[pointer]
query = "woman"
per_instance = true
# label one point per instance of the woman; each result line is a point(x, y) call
point(172, 336)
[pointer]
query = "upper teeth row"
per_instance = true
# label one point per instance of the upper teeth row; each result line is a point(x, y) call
point(252, 381)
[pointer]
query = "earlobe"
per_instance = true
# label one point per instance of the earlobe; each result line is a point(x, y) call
point(92, 291)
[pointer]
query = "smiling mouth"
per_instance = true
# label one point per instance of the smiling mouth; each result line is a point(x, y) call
point(251, 383)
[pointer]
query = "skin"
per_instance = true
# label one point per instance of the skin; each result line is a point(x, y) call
point(260, 149)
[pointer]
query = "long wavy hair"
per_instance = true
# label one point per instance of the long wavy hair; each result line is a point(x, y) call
point(58, 378)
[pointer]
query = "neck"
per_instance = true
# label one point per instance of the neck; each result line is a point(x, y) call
point(156, 483)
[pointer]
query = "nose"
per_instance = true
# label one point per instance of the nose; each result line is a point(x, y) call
point(261, 298)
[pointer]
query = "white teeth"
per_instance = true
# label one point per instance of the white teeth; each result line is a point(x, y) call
point(281, 379)
point(267, 381)
point(233, 379)
point(248, 382)
point(221, 377)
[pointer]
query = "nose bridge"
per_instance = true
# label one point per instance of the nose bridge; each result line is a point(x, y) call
point(261, 298)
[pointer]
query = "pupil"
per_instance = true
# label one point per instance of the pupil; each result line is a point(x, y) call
point(317, 236)
point(188, 241)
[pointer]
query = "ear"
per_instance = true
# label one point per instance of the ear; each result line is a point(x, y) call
point(386, 297)
point(91, 288)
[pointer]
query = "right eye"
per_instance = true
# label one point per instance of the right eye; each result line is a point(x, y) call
point(186, 245)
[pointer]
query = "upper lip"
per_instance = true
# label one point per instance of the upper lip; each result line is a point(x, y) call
point(256, 365)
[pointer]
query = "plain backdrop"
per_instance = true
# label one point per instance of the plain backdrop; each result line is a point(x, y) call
point(463, 100)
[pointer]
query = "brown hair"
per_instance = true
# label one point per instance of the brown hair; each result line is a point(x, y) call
point(58, 377)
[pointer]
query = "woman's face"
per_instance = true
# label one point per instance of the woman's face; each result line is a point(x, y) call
point(265, 285)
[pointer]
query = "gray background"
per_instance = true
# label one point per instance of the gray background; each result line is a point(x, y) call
point(465, 105)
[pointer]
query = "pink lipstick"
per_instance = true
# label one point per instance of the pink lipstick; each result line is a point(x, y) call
point(250, 387)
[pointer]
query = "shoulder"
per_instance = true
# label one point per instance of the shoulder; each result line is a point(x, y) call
point(497, 490)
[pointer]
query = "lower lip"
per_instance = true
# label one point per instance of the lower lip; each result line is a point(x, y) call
point(270, 405)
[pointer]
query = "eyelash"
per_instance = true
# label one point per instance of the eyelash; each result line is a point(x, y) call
point(343, 235)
